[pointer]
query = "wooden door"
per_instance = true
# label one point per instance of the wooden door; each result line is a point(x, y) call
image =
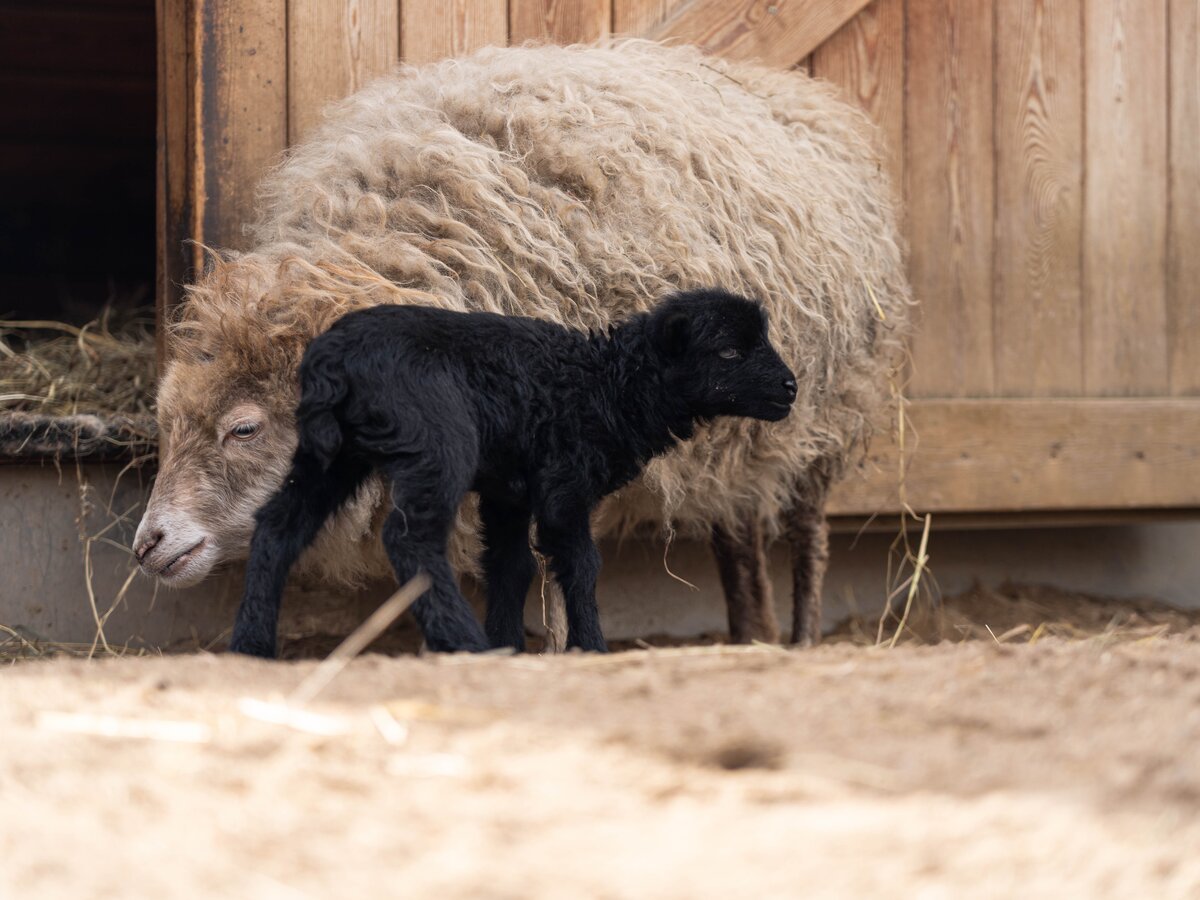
point(1045, 150)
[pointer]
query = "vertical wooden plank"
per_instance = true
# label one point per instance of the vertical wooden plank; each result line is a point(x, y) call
point(1183, 234)
point(558, 21)
point(866, 59)
point(334, 48)
point(172, 202)
point(1039, 204)
point(636, 16)
point(434, 29)
point(240, 112)
point(1125, 198)
point(950, 193)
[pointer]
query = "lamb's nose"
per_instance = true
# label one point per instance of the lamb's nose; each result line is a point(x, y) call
point(148, 544)
point(789, 385)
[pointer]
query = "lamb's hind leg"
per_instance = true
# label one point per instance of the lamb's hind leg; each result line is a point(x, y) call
point(508, 567)
point(742, 564)
point(287, 523)
point(425, 497)
point(808, 534)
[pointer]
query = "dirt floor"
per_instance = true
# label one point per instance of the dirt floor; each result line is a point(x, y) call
point(975, 768)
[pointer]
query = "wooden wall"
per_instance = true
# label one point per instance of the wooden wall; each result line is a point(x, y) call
point(1046, 151)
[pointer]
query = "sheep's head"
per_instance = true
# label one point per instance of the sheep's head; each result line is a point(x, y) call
point(226, 409)
point(226, 404)
point(719, 359)
point(225, 442)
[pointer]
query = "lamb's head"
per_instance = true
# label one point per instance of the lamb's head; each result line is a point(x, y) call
point(719, 358)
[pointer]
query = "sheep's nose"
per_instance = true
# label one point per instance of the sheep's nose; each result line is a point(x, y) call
point(148, 544)
point(789, 385)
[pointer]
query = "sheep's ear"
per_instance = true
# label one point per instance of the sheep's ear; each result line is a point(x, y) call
point(676, 333)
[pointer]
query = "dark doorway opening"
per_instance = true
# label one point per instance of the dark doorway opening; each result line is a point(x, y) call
point(77, 157)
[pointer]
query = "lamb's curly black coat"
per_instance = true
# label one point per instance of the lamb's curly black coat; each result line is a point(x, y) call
point(542, 421)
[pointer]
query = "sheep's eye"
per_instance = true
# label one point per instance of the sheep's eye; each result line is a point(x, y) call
point(243, 431)
point(730, 353)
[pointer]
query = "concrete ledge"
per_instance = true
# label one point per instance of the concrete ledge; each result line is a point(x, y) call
point(66, 530)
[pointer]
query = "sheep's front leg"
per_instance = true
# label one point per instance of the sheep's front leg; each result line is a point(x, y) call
point(566, 540)
point(287, 523)
point(508, 567)
point(742, 564)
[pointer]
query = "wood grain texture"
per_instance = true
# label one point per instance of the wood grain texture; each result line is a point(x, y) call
point(240, 113)
point(172, 199)
point(1036, 454)
point(1183, 229)
point(638, 16)
point(1039, 198)
point(334, 48)
point(949, 173)
point(558, 21)
point(865, 57)
point(435, 29)
point(776, 32)
point(1125, 198)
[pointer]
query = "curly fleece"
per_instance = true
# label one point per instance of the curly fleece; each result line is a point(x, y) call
point(580, 185)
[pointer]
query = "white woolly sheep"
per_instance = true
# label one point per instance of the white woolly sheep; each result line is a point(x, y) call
point(575, 185)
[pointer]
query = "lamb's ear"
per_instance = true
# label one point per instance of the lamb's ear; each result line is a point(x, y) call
point(675, 333)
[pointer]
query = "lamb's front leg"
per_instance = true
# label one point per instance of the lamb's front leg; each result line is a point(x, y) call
point(287, 523)
point(565, 537)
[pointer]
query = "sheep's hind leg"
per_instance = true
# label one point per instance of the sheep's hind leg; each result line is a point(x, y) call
point(425, 498)
point(566, 539)
point(508, 567)
point(287, 523)
point(742, 564)
point(808, 534)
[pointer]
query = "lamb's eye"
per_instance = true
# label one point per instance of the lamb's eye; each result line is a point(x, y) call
point(243, 431)
point(730, 353)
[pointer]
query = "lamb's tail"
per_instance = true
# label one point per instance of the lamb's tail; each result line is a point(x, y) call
point(324, 386)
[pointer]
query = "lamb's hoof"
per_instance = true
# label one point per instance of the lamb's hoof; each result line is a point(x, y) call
point(248, 646)
point(598, 646)
point(470, 645)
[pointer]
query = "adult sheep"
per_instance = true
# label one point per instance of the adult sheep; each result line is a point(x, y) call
point(579, 185)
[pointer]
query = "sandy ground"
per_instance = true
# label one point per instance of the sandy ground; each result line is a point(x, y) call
point(1058, 768)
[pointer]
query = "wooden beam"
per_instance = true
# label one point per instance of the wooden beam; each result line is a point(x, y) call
point(1037, 301)
point(949, 193)
point(222, 121)
point(240, 108)
point(172, 203)
point(1183, 227)
point(1032, 455)
point(776, 32)
point(1125, 343)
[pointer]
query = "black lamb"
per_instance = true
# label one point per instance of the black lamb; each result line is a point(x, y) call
point(540, 420)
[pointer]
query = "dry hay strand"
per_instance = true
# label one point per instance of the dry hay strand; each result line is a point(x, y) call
point(1015, 613)
point(20, 643)
point(107, 367)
